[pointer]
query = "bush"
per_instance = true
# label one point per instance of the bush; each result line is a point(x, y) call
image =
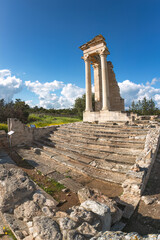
point(4, 127)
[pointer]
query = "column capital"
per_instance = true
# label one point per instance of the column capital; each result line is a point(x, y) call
point(95, 65)
point(104, 52)
point(86, 57)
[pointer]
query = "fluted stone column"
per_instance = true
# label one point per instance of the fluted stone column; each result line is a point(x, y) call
point(105, 83)
point(97, 86)
point(88, 84)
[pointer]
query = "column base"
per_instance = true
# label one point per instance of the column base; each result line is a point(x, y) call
point(89, 110)
point(104, 109)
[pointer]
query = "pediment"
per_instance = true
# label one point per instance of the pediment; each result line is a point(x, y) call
point(96, 40)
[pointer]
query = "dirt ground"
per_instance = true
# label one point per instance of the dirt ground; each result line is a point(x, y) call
point(146, 218)
point(65, 199)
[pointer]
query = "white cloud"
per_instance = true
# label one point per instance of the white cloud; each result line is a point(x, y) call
point(47, 96)
point(9, 85)
point(131, 91)
point(154, 80)
point(30, 103)
point(69, 93)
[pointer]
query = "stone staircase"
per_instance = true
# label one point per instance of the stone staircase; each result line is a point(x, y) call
point(80, 150)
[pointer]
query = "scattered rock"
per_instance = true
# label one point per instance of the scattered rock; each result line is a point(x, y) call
point(47, 211)
point(30, 224)
point(79, 215)
point(46, 228)
point(37, 151)
point(67, 223)
point(87, 230)
point(26, 210)
point(102, 210)
point(39, 198)
point(148, 200)
point(75, 235)
point(135, 168)
point(84, 194)
point(65, 190)
point(60, 214)
point(51, 203)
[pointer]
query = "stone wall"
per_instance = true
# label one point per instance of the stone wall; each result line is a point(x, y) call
point(139, 174)
point(24, 134)
point(116, 102)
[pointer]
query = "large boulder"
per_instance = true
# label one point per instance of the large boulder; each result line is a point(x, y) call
point(15, 185)
point(102, 210)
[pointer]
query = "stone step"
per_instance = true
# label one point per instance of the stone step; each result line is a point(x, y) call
point(107, 125)
point(107, 129)
point(101, 140)
point(91, 149)
point(101, 174)
point(109, 142)
point(51, 168)
point(98, 163)
point(113, 158)
point(112, 124)
point(101, 134)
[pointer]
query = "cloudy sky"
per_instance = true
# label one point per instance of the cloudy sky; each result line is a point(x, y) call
point(40, 61)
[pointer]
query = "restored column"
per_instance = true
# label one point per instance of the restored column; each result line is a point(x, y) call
point(88, 84)
point(105, 83)
point(97, 86)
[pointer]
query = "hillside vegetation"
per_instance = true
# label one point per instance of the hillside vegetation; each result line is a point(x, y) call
point(43, 120)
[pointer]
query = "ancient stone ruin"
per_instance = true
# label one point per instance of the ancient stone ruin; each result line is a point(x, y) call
point(109, 105)
point(105, 164)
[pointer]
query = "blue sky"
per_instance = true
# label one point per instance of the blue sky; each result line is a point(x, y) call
point(39, 41)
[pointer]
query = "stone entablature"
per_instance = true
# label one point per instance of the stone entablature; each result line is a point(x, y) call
point(107, 92)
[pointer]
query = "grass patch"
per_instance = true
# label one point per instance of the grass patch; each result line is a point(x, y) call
point(42, 120)
point(4, 127)
point(49, 185)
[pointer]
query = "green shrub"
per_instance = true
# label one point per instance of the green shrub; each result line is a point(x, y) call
point(4, 127)
point(33, 117)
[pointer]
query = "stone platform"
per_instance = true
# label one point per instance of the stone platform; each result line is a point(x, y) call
point(105, 116)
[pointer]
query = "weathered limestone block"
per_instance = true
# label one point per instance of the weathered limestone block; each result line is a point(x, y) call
point(75, 235)
point(102, 210)
point(87, 230)
point(88, 194)
point(14, 185)
point(79, 214)
point(27, 210)
point(67, 224)
point(39, 198)
point(84, 194)
point(46, 228)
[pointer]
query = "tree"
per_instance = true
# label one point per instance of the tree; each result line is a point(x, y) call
point(21, 109)
point(80, 104)
point(144, 107)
